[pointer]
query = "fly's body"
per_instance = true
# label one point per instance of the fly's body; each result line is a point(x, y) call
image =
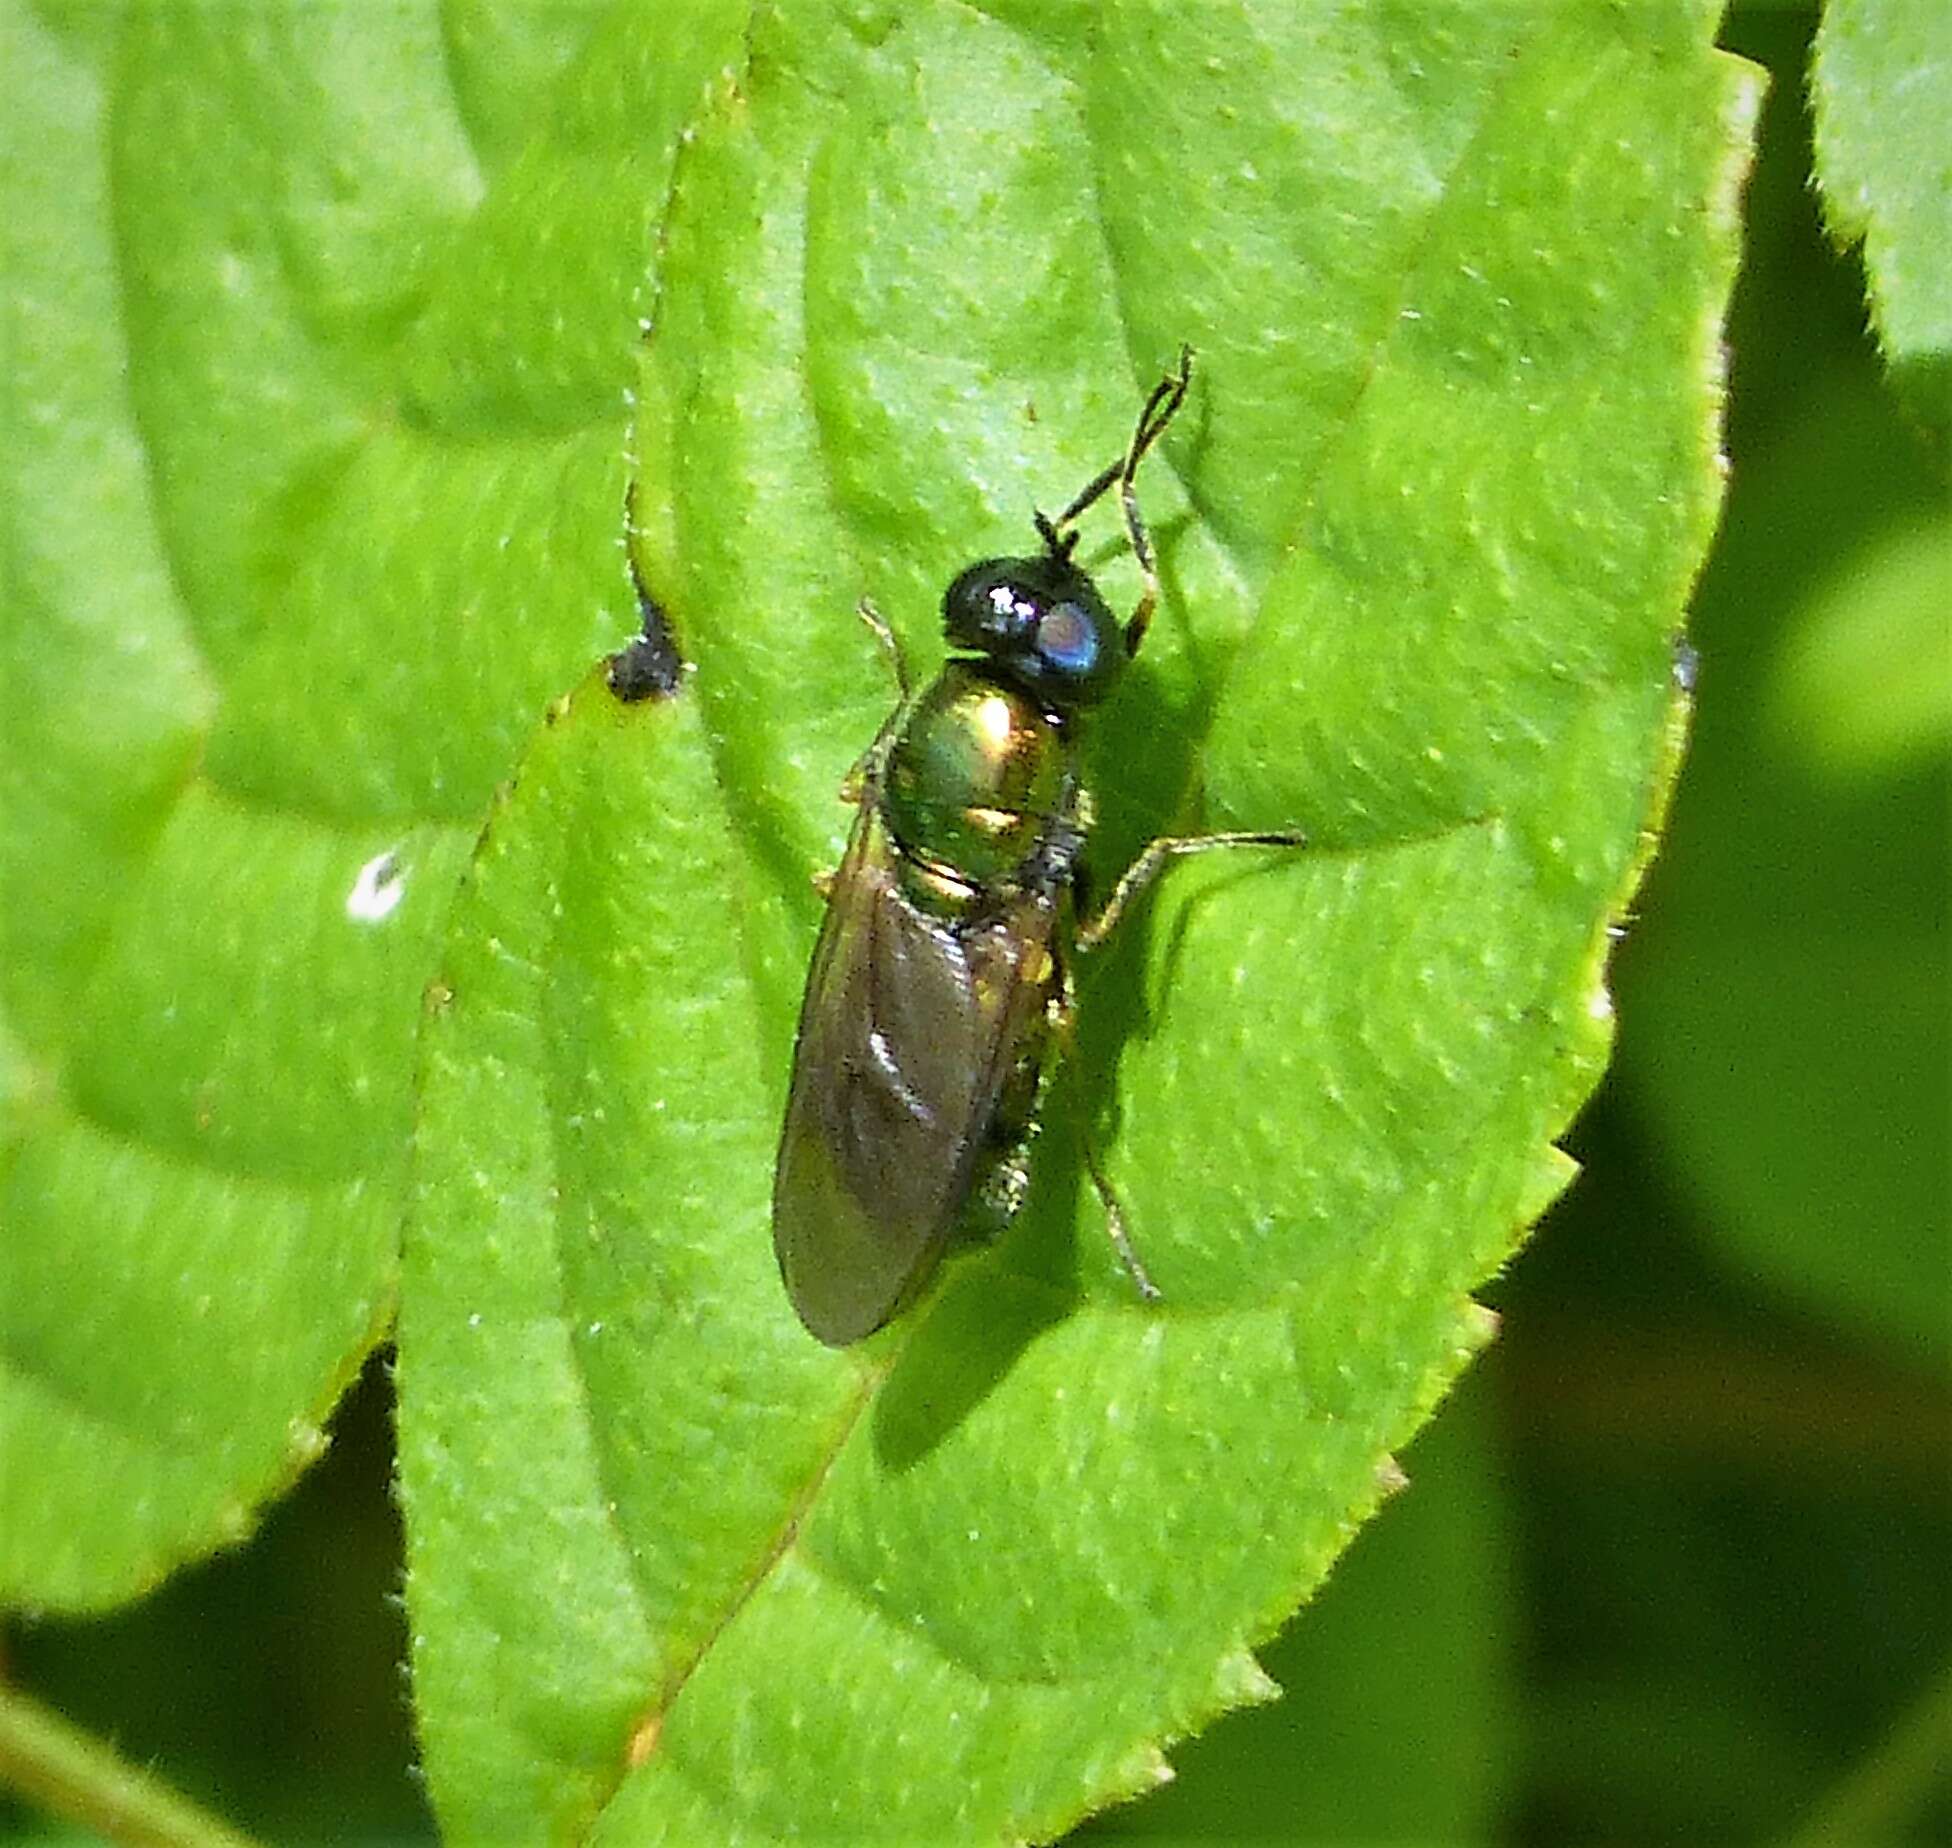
point(941, 982)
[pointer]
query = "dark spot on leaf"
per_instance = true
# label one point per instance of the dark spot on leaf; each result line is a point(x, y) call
point(649, 666)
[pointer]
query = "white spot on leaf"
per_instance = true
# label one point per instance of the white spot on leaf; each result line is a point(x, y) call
point(377, 889)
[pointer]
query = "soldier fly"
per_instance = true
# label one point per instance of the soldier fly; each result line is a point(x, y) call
point(941, 986)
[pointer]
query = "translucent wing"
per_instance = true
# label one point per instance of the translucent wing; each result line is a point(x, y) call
point(907, 1033)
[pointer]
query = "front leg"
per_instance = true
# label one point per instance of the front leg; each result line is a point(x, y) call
point(891, 648)
point(866, 770)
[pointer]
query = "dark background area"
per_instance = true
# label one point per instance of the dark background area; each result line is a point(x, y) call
point(1677, 1563)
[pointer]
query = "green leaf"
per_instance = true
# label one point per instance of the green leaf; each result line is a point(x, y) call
point(313, 482)
point(1883, 71)
point(677, 1572)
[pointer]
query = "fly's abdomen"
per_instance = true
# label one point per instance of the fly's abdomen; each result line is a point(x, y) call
point(973, 778)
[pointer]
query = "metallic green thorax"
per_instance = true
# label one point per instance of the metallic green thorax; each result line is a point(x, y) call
point(973, 780)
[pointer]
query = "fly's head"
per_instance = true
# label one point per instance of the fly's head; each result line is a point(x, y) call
point(1043, 624)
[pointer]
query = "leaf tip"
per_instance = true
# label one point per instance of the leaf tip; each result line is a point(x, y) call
point(1239, 1680)
point(305, 1443)
point(1479, 1327)
point(1551, 1174)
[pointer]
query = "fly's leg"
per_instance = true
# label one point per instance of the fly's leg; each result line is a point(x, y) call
point(1157, 857)
point(1063, 1014)
point(1088, 936)
point(854, 786)
point(891, 648)
point(1115, 1226)
point(856, 780)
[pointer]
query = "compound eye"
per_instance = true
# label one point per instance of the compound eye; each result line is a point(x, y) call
point(1069, 641)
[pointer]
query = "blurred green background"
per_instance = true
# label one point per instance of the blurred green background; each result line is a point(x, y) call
point(1677, 1561)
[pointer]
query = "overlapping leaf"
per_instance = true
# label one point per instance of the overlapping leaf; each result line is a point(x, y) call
point(1884, 157)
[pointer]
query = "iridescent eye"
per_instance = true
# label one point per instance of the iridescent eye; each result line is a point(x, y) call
point(1069, 641)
